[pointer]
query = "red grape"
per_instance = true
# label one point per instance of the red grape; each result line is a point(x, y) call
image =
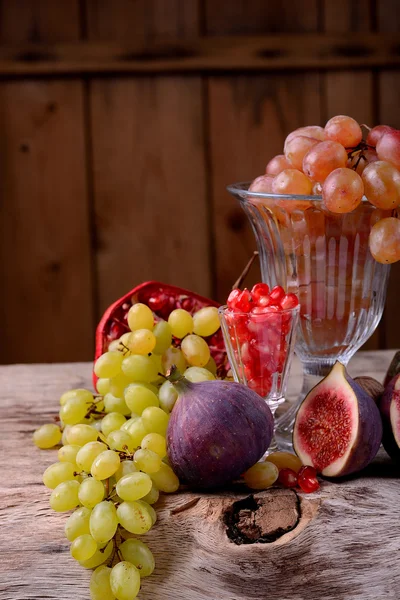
point(388, 148)
point(288, 478)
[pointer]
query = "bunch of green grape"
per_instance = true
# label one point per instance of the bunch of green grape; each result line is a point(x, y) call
point(112, 462)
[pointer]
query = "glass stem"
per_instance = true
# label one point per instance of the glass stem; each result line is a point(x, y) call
point(273, 405)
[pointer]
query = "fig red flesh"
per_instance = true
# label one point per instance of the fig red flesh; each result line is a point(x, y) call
point(338, 428)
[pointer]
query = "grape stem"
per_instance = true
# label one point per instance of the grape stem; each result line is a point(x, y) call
point(245, 271)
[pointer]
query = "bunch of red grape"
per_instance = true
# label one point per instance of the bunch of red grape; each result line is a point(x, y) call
point(336, 162)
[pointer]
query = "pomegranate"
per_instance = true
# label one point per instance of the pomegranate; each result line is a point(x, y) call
point(390, 411)
point(162, 299)
point(217, 430)
point(338, 429)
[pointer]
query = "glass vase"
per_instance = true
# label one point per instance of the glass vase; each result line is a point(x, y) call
point(324, 259)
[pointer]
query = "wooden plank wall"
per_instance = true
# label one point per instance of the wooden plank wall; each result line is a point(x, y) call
point(110, 179)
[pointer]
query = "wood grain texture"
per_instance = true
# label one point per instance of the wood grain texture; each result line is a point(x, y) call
point(250, 116)
point(342, 547)
point(388, 83)
point(149, 170)
point(203, 54)
point(45, 269)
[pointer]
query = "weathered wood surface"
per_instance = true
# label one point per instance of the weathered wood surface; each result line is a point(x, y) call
point(344, 543)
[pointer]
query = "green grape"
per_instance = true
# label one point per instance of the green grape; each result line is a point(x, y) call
point(105, 465)
point(133, 486)
point(111, 422)
point(147, 461)
point(101, 555)
point(157, 360)
point(141, 341)
point(121, 441)
point(195, 350)
point(65, 496)
point(114, 346)
point(80, 434)
point(152, 496)
point(206, 321)
point(108, 364)
point(137, 432)
point(125, 581)
point(68, 453)
point(128, 423)
point(90, 493)
point(73, 411)
point(197, 374)
point(134, 517)
point(103, 386)
point(181, 322)
point(139, 368)
point(77, 524)
point(100, 586)
point(211, 366)
point(140, 317)
point(118, 384)
point(83, 394)
point(150, 510)
point(155, 420)
point(139, 554)
point(167, 396)
point(97, 426)
point(83, 547)
point(64, 439)
point(156, 443)
point(165, 479)
point(103, 522)
point(125, 468)
point(57, 473)
point(47, 436)
point(138, 397)
point(173, 356)
point(115, 404)
point(163, 334)
point(87, 454)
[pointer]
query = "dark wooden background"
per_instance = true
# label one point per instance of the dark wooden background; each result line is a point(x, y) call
point(122, 121)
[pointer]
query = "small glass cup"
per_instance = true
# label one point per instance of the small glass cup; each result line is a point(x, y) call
point(260, 349)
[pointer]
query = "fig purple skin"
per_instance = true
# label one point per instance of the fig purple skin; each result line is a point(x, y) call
point(338, 428)
point(217, 430)
point(389, 406)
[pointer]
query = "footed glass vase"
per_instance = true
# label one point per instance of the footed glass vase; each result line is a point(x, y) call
point(324, 259)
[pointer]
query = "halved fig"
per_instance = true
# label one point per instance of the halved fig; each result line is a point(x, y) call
point(390, 411)
point(162, 298)
point(338, 428)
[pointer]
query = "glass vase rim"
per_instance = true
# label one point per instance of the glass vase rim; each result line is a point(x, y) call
point(224, 308)
point(241, 190)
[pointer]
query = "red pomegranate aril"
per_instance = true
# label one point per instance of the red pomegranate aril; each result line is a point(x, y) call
point(263, 301)
point(276, 294)
point(259, 290)
point(157, 302)
point(289, 301)
point(233, 298)
point(307, 478)
point(288, 478)
point(244, 301)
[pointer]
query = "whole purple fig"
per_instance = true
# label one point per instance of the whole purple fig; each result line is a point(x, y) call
point(217, 430)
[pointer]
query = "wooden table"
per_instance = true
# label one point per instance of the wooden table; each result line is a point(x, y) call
point(345, 543)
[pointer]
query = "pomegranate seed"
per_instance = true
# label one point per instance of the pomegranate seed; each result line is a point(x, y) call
point(307, 478)
point(157, 302)
point(259, 290)
point(288, 478)
point(289, 301)
point(277, 293)
point(244, 301)
point(264, 301)
point(233, 297)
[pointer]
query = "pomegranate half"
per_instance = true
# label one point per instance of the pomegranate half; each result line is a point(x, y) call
point(162, 298)
point(338, 428)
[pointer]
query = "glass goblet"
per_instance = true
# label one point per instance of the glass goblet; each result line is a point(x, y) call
point(260, 346)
